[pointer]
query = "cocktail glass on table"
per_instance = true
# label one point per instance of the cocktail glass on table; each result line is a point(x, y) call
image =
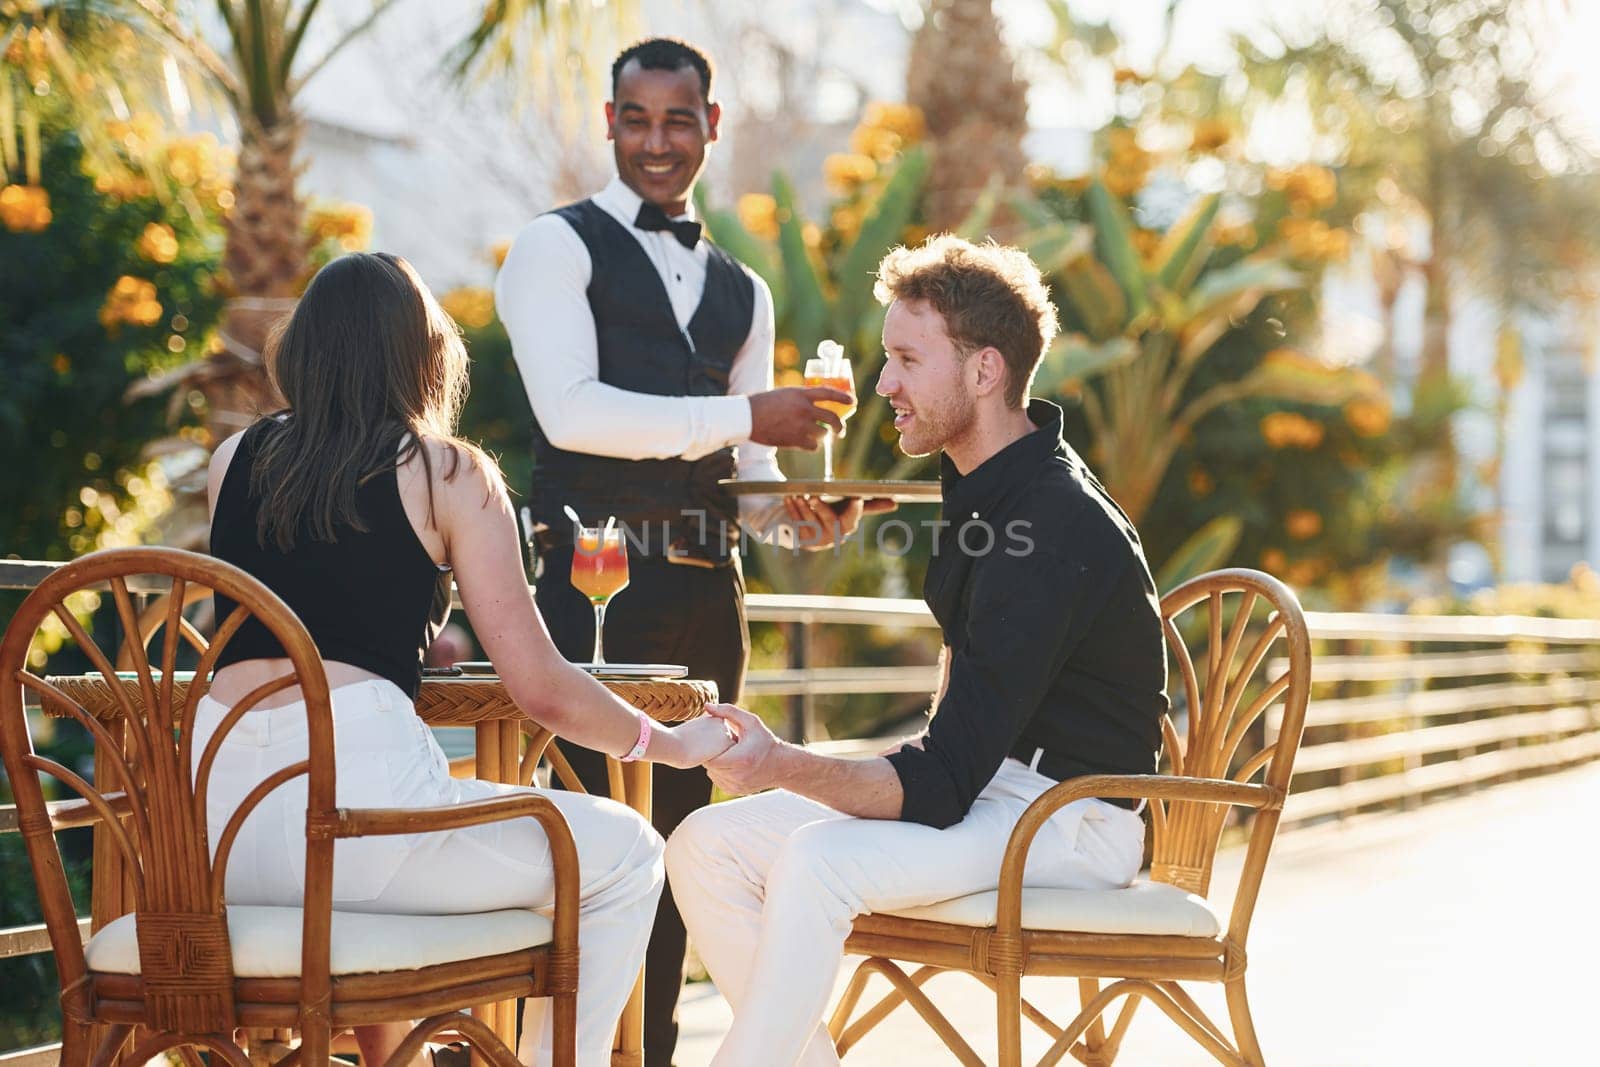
point(600, 572)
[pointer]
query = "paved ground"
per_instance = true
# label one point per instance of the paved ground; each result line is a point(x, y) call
point(1464, 933)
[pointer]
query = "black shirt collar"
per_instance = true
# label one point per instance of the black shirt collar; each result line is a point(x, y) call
point(989, 481)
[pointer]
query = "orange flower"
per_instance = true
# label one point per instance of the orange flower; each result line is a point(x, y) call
point(195, 161)
point(846, 222)
point(158, 243)
point(124, 186)
point(348, 224)
point(25, 208)
point(1123, 183)
point(1368, 416)
point(905, 121)
point(1127, 165)
point(786, 354)
point(1273, 561)
point(1287, 429)
point(1146, 242)
point(1308, 187)
point(471, 306)
point(1303, 524)
point(758, 213)
point(498, 253)
point(875, 142)
point(1122, 144)
point(1242, 234)
point(1201, 484)
point(131, 300)
point(1209, 135)
point(845, 172)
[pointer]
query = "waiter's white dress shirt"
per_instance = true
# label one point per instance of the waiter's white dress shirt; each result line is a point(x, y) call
point(540, 297)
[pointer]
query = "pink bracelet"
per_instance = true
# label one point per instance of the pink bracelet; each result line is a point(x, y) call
point(637, 751)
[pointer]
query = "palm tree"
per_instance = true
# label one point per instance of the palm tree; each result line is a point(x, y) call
point(962, 77)
point(258, 71)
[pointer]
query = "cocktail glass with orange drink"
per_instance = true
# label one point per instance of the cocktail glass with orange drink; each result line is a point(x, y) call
point(830, 368)
point(600, 572)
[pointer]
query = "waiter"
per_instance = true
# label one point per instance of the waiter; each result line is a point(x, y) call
point(646, 352)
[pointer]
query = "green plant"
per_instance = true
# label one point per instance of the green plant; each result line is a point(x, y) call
point(81, 54)
point(100, 299)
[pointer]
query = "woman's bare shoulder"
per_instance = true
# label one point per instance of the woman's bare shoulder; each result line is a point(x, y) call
point(459, 469)
point(224, 452)
point(218, 470)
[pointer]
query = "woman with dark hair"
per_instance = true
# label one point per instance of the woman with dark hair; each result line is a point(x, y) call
point(355, 505)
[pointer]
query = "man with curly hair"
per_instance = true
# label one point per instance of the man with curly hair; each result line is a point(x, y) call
point(1053, 667)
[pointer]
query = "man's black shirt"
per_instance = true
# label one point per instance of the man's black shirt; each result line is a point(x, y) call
point(1044, 598)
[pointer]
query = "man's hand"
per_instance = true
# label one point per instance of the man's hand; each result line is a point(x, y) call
point(790, 418)
point(819, 524)
point(752, 763)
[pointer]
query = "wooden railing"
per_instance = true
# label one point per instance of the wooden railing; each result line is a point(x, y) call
point(1403, 706)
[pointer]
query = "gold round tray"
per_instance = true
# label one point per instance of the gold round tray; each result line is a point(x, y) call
point(901, 492)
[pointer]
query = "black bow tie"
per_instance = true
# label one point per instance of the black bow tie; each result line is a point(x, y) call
point(652, 217)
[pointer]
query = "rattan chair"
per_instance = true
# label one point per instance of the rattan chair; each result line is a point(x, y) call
point(1160, 931)
point(185, 971)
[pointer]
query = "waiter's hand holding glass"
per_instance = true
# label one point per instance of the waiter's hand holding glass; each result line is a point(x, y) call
point(830, 368)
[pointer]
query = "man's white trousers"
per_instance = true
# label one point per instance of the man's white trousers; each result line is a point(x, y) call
point(768, 886)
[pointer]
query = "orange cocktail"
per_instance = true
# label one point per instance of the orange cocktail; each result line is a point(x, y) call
point(844, 384)
point(599, 572)
point(832, 374)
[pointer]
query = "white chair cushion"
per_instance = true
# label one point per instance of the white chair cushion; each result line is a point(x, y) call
point(266, 941)
point(1142, 908)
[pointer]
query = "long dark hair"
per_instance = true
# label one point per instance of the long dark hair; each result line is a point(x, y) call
point(369, 365)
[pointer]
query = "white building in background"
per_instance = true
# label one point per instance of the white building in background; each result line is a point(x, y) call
point(1551, 478)
point(446, 171)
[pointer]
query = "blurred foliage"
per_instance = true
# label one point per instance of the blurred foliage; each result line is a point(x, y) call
point(1461, 166)
point(110, 58)
point(1576, 598)
point(497, 414)
point(1435, 110)
point(100, 298)
point(1201, 385)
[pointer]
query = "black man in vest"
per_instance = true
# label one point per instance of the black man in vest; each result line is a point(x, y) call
point(647, 354)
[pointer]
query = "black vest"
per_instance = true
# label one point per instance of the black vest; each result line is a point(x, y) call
point(668, 506)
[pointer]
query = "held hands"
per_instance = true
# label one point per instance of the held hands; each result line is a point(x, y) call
point(819, 524)
point(751, 764)
point(790, 418)
point(692, 743)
